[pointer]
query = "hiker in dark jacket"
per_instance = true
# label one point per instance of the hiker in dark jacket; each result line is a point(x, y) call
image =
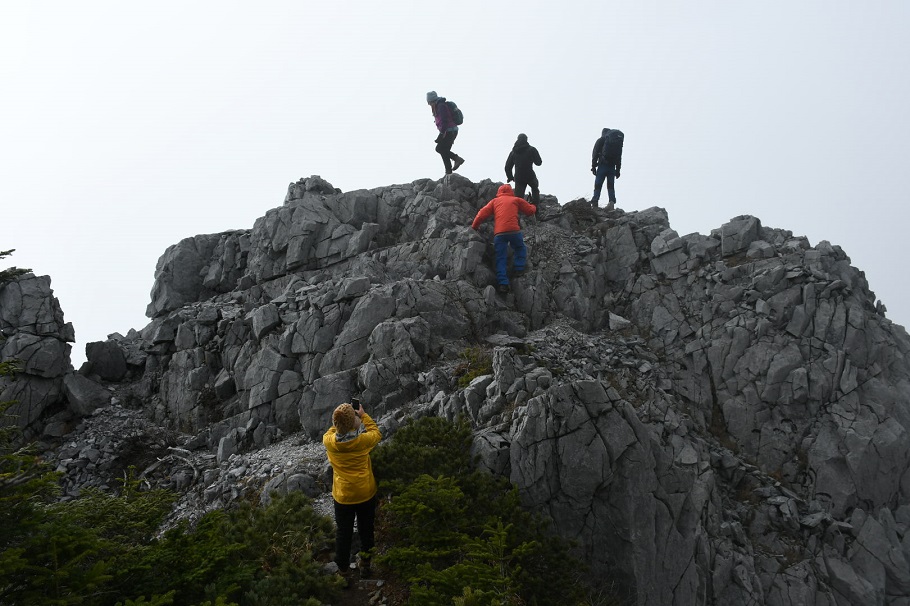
point(605, 164)
point(523, 157)
point(448, 130)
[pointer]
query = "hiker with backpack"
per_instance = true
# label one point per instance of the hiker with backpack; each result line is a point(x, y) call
point(447, 117)
point(505, 209)
point(606, 161)
point(348, 443)
point(522, 158)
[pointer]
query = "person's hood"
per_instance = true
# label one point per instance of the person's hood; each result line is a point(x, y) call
point(605, 131)
point(505, 190)
point(347, 437)
point(521, 145)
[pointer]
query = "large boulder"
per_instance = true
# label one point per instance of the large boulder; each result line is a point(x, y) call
point(197, 268)
point(36, 340)
point(84, 395)
point(106, 359)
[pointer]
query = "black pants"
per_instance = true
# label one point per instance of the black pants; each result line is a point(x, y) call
point(444, 148)
point(522, 181)
point(344, 521)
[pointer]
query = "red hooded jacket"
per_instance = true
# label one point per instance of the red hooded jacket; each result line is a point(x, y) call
point(504, 208)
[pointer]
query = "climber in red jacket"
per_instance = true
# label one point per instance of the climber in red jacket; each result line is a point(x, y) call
point(507, 229)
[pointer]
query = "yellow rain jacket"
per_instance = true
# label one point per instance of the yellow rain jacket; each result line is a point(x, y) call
point(352, 471)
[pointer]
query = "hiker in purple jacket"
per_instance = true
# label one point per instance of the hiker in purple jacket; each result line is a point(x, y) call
point(448, 130)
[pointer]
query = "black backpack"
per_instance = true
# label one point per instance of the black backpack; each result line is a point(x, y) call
point(457, 115)
point(612, 147)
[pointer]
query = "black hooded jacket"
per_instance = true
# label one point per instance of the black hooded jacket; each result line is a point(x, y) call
point(598, 148)
point(523, 157)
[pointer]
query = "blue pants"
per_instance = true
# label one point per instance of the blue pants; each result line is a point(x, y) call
point(501, 243)
point(608, 172)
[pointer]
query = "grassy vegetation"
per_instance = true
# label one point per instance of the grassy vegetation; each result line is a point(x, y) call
point(476, 362)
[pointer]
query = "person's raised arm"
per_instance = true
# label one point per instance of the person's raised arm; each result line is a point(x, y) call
point(525, 207)
point(371, 432)
point(482, 215)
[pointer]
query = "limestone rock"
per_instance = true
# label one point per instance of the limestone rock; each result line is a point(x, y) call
point(700, 413)
point(185, 272)
point(33, 336)
point(738, 235)
point(84, 395)
point(107, 360)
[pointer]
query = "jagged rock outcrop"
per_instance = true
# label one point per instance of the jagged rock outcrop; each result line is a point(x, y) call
point(35, 337)
point(716, 419)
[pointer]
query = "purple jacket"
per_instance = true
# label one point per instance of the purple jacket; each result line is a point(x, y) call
point(443, 116)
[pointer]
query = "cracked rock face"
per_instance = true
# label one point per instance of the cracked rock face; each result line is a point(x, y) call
point(34, 335)
point(715, 419)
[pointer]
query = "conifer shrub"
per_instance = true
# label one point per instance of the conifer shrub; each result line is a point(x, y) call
point(72, 552)
point(193, 565)
point(454, 534)
point(100, 549)
point(431, 445)
point(256, 556)
point(10, 272)
point(26, 484)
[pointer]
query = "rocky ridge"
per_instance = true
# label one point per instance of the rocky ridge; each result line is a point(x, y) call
point(715, 419)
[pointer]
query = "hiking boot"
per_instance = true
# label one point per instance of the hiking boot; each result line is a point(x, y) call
point(363, 566)
point(346, 576)
point(458, 162)
point(519, 272)
point(611, 205)
point(502, 289)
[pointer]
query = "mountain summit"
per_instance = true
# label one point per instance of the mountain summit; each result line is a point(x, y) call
point(715, 419)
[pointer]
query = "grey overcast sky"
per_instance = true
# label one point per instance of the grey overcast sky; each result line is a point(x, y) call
point(127, 126)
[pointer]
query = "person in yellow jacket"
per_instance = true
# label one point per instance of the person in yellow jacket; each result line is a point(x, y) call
point(348, 444)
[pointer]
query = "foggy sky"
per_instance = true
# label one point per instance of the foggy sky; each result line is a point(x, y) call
point(124, 129)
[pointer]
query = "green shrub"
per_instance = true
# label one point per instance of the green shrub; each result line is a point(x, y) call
point(100, 549)
point(254, 555)
point(282, 541)
point(195, 565)
point(430, 445)
point(10, 272)
point(453, 533)
point(168, 600)
point(26, 550)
